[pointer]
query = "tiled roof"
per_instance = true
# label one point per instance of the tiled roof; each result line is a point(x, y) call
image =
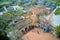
point(39, 9)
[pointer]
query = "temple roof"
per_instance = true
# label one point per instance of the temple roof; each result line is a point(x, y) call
point(40, 9)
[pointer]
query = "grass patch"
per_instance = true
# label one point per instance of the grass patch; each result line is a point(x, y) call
point(57, 11)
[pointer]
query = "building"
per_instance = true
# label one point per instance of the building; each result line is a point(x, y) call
point(14, 8)
point(48, 4)
point(44, 25)
point(53, 6)
point(55, 21)
point(35, 16)
point(1, 13)
point(42, 2)
point(24, 1)
point(2, 9)
point(41, 14)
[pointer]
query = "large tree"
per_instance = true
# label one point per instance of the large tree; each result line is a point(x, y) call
point(57, 30)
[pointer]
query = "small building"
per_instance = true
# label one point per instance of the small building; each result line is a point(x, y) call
point(27, 1)
point(24, 1)
point(27, 4)
point(48, 4)
point(13, 8)
point(44, 25)
point(1, 9)
point(55, 21)
point(1, 13)
point(42, 2)
point(52, 6)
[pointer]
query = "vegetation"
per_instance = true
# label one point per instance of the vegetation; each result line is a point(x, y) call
point(7, 18)
point(58, 3)
point(3, 35)
point(4, 20)
point(54, 1)
point(4, 4)
point(57, 12)
point(17, 13)
point(33, 2)
point(57, 30)
point(20, 3)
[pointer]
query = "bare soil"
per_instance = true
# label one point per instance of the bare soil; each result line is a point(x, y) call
point(38, 34)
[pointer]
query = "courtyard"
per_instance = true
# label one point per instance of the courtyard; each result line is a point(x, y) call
point(38, 34)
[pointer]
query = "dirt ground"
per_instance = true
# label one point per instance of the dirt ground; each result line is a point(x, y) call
point(38, 34)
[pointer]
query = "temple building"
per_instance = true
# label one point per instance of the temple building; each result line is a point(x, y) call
point(37, 16)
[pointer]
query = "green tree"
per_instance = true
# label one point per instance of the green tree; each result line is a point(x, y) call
point(33, 2)
point(58, 3)
point(5, 20)
point(57, 12)
point(3, 35)
point(57, 30)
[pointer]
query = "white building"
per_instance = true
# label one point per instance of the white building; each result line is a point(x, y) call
point(14, 8)
point(56, 20)
point(1, 13)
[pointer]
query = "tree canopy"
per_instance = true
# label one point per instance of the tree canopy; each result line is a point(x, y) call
point(3, 35)
point(34, 2)
point(5, 20)
point(57, 30)
point(57, 12)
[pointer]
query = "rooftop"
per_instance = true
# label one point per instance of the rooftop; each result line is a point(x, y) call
point(55, 21)
point(40, 9)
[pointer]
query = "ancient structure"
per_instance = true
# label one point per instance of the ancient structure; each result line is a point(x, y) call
point(37, 15)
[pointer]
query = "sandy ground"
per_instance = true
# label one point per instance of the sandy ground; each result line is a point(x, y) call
point(38, 34)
